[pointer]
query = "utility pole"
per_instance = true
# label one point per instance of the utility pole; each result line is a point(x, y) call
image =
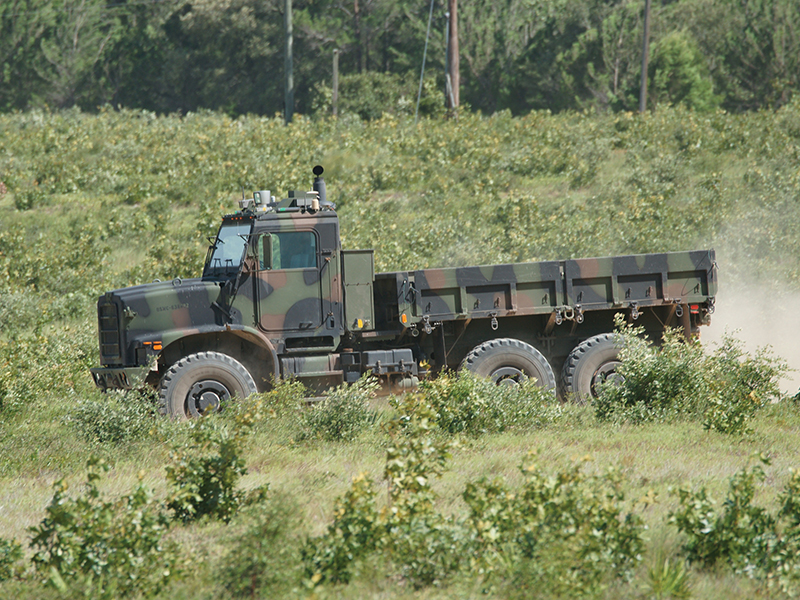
point(645, 53)
point(447, 60)
point(288, 109)
point(424, 55)
point(452, 55)
point(360, 56)
point(335, 97)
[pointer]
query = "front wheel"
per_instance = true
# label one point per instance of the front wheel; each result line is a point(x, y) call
point(203, 382)
point(589, 365)
point(508, 361)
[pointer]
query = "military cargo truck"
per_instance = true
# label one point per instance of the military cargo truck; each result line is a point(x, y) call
point(279, 298)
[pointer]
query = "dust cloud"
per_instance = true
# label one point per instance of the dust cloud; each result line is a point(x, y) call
point(759, 315)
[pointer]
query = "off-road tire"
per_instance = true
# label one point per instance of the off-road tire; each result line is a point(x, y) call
point(508, 360)
point(203, 381)
point(589, 363)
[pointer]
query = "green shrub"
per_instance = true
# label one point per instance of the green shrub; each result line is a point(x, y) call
point(660, 383)
point(104, 548)
point(420, 543)
point(113, 419)
point(205, 471)
point(426, 546)
point(342, 415)
point(678, 380)
point(566, 534)
point(10, 556)
point(30, 196)
point(29, 365)
point(735, 534)
point(354, 533)
point(740, 385)
point(285, 398)
point(745, 537)
point(264, 560)
point(475, 405)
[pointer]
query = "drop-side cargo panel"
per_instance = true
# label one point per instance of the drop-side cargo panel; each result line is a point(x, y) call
point(543, 287)
point(644, 279)
point(492, 290)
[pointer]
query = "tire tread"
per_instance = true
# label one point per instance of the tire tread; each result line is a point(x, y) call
point(574, 358)
point(481, 349)
point(176, 368)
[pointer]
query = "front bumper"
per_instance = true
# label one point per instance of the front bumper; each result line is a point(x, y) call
point(120, 378)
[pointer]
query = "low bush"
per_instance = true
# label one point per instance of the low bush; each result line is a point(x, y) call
point(264, 560)
point(204, 472)
point(566, 534)
point(113, 419)
point(475, 405)
point(11, 554)
point(740, 385)
point(679, 380)
point(104, 548)
point(29, 364)
point(206, 469)
point(745, 537)
point(426, 546)
point(342, 415)
point(285, 398)
point(418, 541)
point(353, 534)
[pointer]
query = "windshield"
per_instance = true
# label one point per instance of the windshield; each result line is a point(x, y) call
point(225, 256)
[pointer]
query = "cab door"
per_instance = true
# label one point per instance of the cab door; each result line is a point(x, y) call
point(289, 286)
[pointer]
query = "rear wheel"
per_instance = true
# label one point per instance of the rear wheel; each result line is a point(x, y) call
point(203, 382)
point(590, 364)
point(509, 362)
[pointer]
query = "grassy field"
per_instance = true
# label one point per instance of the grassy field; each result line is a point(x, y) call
point(98, 202)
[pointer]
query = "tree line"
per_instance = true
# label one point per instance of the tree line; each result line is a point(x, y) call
point(227, 55)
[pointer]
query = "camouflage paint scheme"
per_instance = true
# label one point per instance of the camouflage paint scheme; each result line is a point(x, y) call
point(305, 321)
point(569, 286)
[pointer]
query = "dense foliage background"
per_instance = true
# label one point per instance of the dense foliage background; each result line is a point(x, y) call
point(93, 202)
point(176, 55)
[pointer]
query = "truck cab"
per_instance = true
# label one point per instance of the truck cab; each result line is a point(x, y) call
point(270, 304)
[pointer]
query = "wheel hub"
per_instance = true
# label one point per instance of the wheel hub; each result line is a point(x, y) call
point(206, 396)
point(607, 373)
point(510, 376)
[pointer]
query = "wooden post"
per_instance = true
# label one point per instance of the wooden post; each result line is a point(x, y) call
point(288, 108)
point(447, 90)
point(452, 55)
point(360, 60)
point(645, 52)
point(335, 96)
point(424, 55)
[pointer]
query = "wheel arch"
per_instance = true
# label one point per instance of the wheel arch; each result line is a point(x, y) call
point(249, 347)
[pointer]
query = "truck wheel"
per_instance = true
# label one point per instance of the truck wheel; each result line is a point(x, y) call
point(202, 382)
point(508, 362)
point(588, 365)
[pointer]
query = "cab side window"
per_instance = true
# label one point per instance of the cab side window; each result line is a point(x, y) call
point(288, 250)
